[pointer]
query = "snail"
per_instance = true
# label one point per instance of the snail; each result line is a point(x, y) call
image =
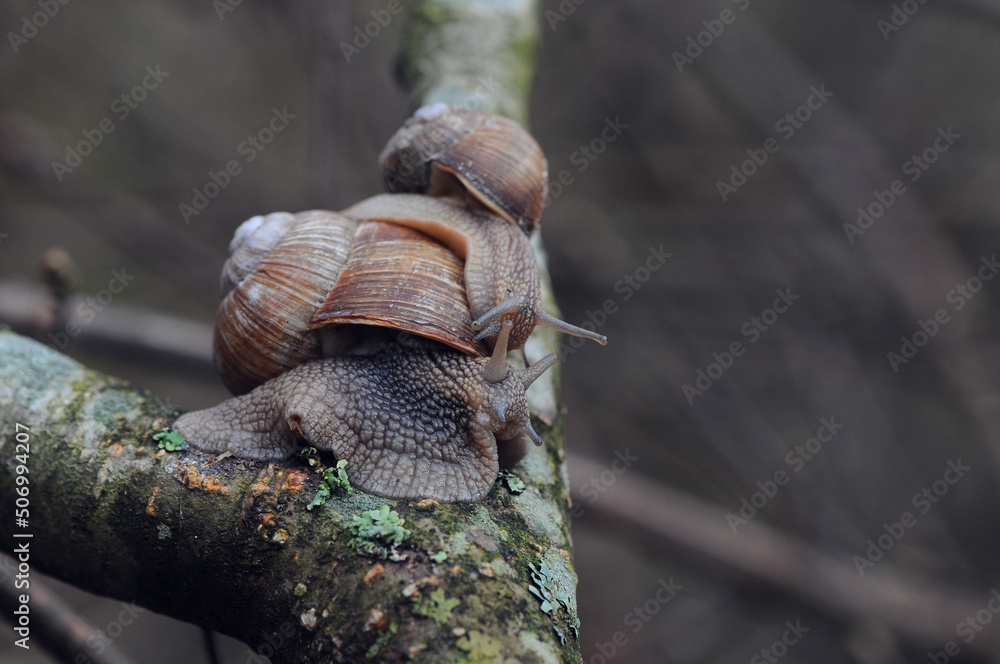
point(416, 417)
point(467, 169)
point(354, 333)
point(444, 150)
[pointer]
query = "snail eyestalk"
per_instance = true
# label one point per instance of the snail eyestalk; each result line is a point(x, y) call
point(531, 374)
point(496, 369)
point(553, 323)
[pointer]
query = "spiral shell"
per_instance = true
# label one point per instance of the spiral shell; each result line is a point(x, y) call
point(399, 278)
point(300, 285)
point(443, 150)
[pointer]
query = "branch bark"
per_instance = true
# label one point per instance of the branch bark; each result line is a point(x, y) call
point(477, 54)
point(230, 544)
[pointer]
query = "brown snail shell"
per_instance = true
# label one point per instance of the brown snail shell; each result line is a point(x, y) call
point(398, 278)
point(444, 150)
point(299, 291)
point(501, 273)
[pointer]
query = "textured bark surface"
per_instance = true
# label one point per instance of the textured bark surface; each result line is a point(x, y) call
point(477, 54)
point(229, 543)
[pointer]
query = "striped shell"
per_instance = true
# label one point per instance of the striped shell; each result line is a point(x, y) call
point(445, 150)
point(299, 285)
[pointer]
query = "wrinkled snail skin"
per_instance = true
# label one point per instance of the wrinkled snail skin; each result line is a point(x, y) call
point(412, 422)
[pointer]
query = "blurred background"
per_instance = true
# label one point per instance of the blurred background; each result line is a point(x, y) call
point(782, 214)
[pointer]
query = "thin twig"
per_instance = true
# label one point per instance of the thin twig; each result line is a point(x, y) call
point(762, 555)
point(54, 623)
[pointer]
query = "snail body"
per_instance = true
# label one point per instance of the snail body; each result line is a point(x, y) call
point(434, 415)
point(411, 421)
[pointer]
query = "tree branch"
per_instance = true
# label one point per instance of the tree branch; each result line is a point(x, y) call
point(477, 54)
point(230, 544)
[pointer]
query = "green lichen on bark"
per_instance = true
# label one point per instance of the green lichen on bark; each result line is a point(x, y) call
point(230, 544)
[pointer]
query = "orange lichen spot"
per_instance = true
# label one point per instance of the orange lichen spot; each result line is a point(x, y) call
point(258, 488)
point(189, 476)
point(268, 520)
point(212, 484)
point(115, 450)
point(150, 509)
point(293, 480)
point(427, 502)
point(376, 619)
point(192, 478)
point(373, 572)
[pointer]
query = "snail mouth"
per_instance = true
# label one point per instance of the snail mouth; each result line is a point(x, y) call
point(499, 406)
point(295, 423)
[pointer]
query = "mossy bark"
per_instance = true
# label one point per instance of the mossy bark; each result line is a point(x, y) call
point(229, 544)
point(479, 54)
